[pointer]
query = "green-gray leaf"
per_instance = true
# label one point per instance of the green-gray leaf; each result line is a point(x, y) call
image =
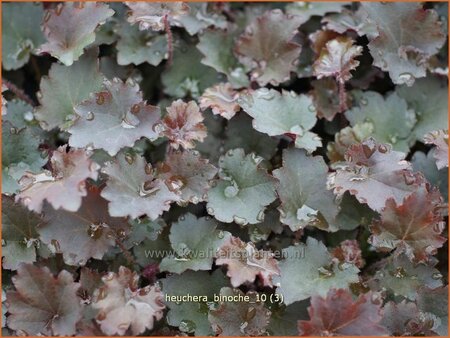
point(21, 33)
point(429, 99)
point(243, 191)
point(195, 242)
point(309, 270)
point(391, 117)
point(135, 46)
point(64, 88)
point(199, 283)
point(217, 47)
point(276, 113)
point(186, 75)
point(19, 234)
point(302, 189)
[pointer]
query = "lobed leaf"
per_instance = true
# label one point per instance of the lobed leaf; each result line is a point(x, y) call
point(192, 317)
point(355, 317)
point(63, 186)
point(428, 98)
point(404, 319)
point(19, 234)
point(88, 233)
point(113, 118)
point(239, 133)
point(187, 76)
point(239, 318)
point(274, 60)
point(404, 56)
point(217, 47)
point(70, 27)
point(43, 304)
point(373, 173)
point(413, 227)
point(189, 173)
point(439, 138)
point(183, 124)
point(245, 262)
point(20, 154)
point(21, 33)
point(66, 87)
point(194, 242)
point(137, 47)
point(385, 115)
point(122, 305)
point(243, 191)
point(301, 187)
point(133, 190)
point(309, 270)
point(279, 114)
point(401, 277)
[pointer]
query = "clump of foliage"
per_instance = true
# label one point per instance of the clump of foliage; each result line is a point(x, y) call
point(293, 153)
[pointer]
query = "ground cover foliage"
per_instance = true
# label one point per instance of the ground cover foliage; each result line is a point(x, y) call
point(292, 153)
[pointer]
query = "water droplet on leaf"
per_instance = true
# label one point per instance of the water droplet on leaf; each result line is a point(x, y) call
point(231, 191)
point(90, 116)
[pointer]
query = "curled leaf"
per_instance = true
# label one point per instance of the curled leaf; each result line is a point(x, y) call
point(349, 252)
point(337, 59)
point(373, 173)
point(122, 305)
point(439, 138)
point(151, 15)
point(189, 173)
point(183, 124)
point(133, 190)
point(63, 186)
point(245, 262)
point(222, 99)
point(307, 9)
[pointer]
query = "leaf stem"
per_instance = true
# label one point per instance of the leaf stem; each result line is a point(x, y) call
point(130, 259)
point(342, 96)
point(169, 40)
point(18, 92)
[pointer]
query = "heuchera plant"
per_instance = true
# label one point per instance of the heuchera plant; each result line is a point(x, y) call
point(293, 154)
